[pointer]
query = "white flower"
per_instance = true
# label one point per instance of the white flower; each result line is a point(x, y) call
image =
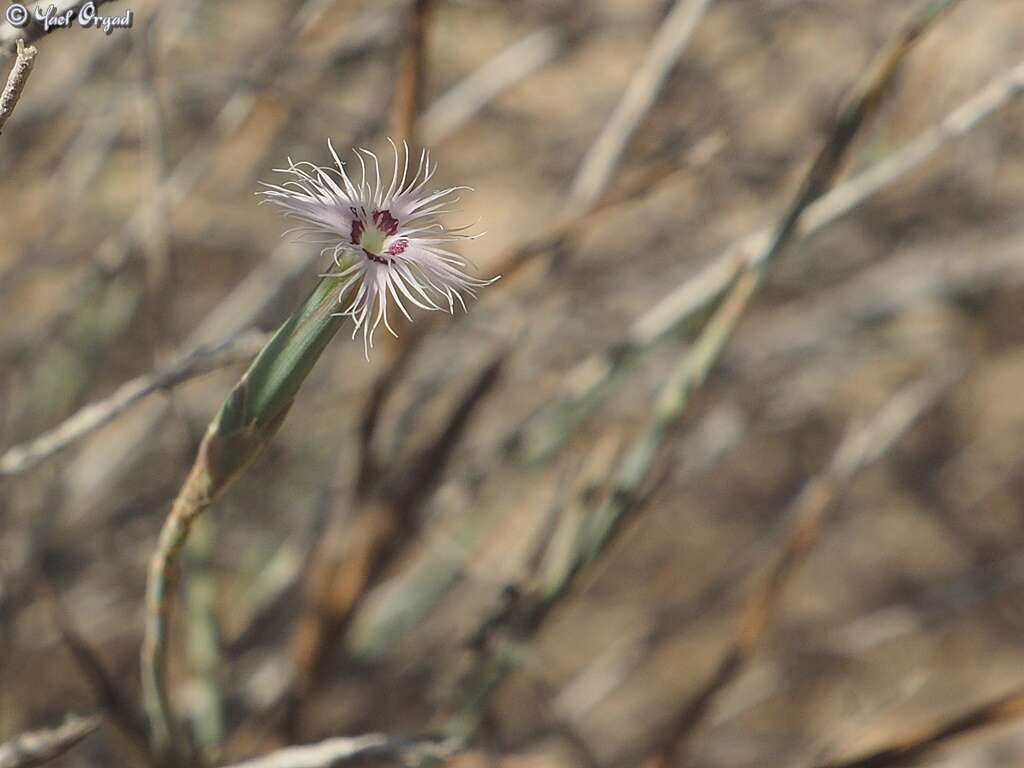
point(387, 240)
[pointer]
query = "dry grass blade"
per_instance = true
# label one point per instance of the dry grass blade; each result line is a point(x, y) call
point(860, 448)
point(552, 549)
point(606, 152)
point(40, 747)
point(920, 744)
point(16, 81)
point(19, 458)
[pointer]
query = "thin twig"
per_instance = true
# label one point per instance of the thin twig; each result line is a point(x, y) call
point(553, 544)
point(859, 449)
point(606, 152)
point(88, 419)
point(194, 498)
point(40, 747)
point(927, 272)
point(16, 81)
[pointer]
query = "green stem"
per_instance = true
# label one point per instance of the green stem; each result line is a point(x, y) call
point(246, 422)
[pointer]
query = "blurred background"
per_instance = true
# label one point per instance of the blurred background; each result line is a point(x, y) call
point(387, 548)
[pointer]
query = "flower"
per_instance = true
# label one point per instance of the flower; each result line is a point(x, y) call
point(386, 240)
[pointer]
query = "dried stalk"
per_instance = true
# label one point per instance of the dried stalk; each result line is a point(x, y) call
point(16, 81)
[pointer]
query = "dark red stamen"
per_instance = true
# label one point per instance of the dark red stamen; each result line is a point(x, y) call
point(376, 258)
point(398, 247)
point(385, 222)
point(357, 231)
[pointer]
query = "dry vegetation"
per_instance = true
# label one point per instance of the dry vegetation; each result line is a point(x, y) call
point(570, 527)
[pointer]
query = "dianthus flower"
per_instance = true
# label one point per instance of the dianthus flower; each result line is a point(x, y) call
point(386, 240)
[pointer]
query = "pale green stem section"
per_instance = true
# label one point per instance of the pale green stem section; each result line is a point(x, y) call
point(245, 423)
point(204, 637)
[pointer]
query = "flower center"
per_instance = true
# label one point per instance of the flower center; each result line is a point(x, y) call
point(371, 232)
